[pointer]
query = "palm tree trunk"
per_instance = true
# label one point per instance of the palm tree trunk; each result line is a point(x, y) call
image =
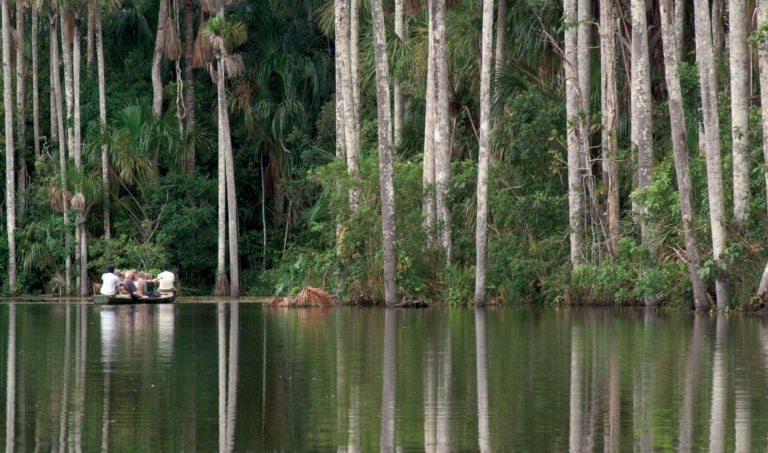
point(386, 165)
point(21, 110)
point(10, 190)
point(234, 265)
point(354, 66)
point(442, 130)
point(705, 58)
point(66, 49)
point(481, 231)
point(680, 149)
point(718, 34)
point(350, 140)
point(103, 118)
point(679, 6)
point(89, 33)
point(157, 59)
point(76, 66)
point(189, 77)
point(610, 120)
point(739, 67)
point(35, 82)
point(575, 194)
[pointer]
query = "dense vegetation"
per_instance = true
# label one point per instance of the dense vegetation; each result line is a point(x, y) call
point(295, 222)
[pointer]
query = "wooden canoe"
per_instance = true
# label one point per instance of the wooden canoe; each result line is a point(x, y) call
point(122, 299)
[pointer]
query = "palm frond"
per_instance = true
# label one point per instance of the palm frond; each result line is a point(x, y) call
point(171, 43)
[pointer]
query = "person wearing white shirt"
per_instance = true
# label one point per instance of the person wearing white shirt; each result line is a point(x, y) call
point(109, 282)
point(166, 281)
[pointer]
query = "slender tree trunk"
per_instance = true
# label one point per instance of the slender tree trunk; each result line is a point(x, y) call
point(575, 194)
point(386, 165)
point(157, 59)
point(354, 66)
point(339, 64)
point(641, 108)
point(501, 37)
point(35, 82)
point(428, 212)
point(66, 49)
point(21, 110)
point(680, 28)
point(54, 57)
point(10, 189)
point(398, 95)
point(103, 118)
point(442, 143)
point(739, 67)
point(189, 77)
point(718, 34)
point(680, 149)
point(350, 142)
point(481, 229)
point(705, 58)
point(89, 34)
point(584, 64)
point(76, 70)
point(222, 282)
point(610, 120)
point(226, 142)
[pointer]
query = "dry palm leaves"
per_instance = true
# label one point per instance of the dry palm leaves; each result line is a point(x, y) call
point(308, 297)
point(56, 198)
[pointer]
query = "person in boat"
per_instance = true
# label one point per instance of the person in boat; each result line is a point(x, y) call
point(141, 282)
point(130, 286)
point(166, 282)
point(109, 282)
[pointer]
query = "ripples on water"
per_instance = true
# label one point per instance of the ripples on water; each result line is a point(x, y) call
point(207, 377)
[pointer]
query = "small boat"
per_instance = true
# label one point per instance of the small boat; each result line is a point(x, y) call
point(123, 299)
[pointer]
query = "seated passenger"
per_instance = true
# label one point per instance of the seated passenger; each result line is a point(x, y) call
point(130, 286)
point(166, 281)
point(109, 282)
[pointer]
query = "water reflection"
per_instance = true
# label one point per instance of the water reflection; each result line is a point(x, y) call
point(232, 377)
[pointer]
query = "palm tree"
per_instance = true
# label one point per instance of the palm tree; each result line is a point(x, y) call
point(157, 59)
point(386, 166)
point(575, 197)
point(609, 120)
point(10, 190)
point(442, 145)
point(222, 36)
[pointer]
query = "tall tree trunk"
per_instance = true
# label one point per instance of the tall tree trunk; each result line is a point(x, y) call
point(398, 95)
point(641, 108)
point(226, 142)
point(10, 189)
point(354, 66)
point(189, 77)
point(501, 37)
point(739, 67)
point(680, 28)
point(705, 58)
point(680, 149)
point(103, 118)
point(642, 128)
point(762, 45)
point(35, 82)
point(21, 110)
point(157, 60)
point(610, 120)
point(350, 141)
point(442, 128)
point(575, 194)
point(222, 282)
point(89, 34)
point(718, 34)
point(386, 165)
point(76, 71)
point(481, 229)
point(428, 212)
point(340, 61)
point(66, 50)
point(584, 64)
point(57, 118)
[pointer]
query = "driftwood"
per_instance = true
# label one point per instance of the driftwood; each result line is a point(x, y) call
point(308, 297)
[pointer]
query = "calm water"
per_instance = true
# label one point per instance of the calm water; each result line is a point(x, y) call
point(206, 377)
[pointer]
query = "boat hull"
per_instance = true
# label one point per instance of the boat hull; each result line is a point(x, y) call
point(123, 299)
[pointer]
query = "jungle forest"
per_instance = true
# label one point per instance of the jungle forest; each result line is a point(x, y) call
point(390, 152)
